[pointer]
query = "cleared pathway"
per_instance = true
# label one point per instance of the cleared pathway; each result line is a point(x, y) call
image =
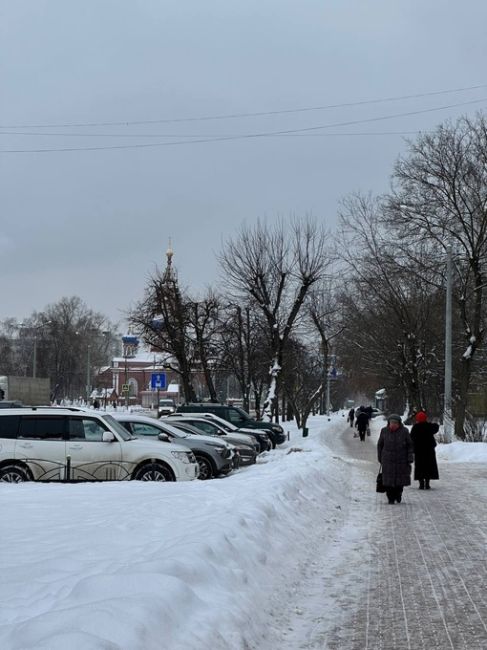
point(416, 575)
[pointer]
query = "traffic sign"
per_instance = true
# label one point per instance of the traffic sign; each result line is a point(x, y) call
point(158, 381)
point(125, 388)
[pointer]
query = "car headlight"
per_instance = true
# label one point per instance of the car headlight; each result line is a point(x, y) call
point(220, 449)
point(223, 451)
point(184, 456)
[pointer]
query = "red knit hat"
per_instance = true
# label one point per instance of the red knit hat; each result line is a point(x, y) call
point(421, 417)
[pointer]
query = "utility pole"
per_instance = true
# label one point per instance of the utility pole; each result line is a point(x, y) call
point(88, 375)
point(447, 408)
point(34, 359)
point(126, 384)
point(328, 392)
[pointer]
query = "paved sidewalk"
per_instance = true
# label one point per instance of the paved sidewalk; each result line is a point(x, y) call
point(426, 558)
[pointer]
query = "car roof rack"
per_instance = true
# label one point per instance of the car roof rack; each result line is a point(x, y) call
point(75, 409)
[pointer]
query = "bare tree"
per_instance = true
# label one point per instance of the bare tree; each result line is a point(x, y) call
point(163, 318)
point(324, 312)
point(440, 196)
point(204, 320)
point(390, 293)
point(243, 345)
point(71, 343)
point(275, 268)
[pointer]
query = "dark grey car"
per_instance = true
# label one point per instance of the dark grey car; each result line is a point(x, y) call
point(260, 435)
point(247, 446)
point(214, 457)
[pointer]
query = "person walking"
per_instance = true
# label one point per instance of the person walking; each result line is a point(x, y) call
point(362, 424)
point(424, 443)
point(351, 416)
point(395, 454)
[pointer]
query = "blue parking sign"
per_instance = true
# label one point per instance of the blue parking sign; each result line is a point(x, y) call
point(158, 381)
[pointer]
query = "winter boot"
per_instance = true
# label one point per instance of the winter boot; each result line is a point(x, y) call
point(421, 484)
point(427, 484)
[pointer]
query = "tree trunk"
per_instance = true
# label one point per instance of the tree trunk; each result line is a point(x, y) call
point(269, 407)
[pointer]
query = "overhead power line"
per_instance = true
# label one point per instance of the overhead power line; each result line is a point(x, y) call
point(231, 116)
point(264, 134)
point(185, 135)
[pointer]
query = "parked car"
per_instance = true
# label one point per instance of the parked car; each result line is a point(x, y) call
point(260, 435)
point(246, 446)
point(214, 457)
point(237, 416)
point(61, 444)
point(10, 404)
point(165, 407)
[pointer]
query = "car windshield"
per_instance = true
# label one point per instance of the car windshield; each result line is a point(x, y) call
point(188, 428)
point(119, 428)
point(167, 428)
point(244, 414)
point(207, 426)
point(227, 426)
point(166, 402)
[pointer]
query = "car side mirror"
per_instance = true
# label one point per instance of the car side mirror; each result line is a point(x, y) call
point(108, 436)
point(164, 437)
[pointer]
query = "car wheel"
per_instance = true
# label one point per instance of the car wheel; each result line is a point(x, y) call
point(154, 472)
point(13, 474)
point(206, 470)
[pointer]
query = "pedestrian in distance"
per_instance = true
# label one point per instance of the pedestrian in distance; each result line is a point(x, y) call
point(395, 454)
point(351, 416)
point(362, 424)
point(424, 443)
point(369, 410)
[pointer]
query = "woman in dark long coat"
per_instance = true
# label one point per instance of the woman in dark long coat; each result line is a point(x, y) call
point(423, 437)
point(395, 453)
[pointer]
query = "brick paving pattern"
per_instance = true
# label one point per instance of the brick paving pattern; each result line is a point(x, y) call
point(426, 566)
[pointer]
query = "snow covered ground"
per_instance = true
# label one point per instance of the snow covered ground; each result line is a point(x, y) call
point(139, 566)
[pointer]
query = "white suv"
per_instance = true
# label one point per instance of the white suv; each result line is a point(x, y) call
point(57, 444)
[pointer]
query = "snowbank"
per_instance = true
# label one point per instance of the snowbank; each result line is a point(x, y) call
point(462, 452)
point(140, 566)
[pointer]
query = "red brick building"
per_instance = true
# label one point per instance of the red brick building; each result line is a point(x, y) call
point(130, 375)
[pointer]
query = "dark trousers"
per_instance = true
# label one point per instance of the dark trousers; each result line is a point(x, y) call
point(361, 433)
point(394, 493)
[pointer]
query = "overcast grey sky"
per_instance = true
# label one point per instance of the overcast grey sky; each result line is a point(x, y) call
point(94, 223)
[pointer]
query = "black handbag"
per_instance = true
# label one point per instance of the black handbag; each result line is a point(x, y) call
point(379, 485)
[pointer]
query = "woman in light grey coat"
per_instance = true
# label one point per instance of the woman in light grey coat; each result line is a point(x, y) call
point(395, 453)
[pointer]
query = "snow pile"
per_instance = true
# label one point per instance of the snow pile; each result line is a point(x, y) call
point(140, 566)
point(462, 452)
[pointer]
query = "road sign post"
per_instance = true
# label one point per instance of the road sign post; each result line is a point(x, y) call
point(158, 381)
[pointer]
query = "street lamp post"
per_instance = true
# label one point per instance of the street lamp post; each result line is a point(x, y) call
point(88, 374)
point(34, 359)
point(126, 383)
point(447, 408)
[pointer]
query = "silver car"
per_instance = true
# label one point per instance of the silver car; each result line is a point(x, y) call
point(260, 435)
point(247, 446)
point(214, 457)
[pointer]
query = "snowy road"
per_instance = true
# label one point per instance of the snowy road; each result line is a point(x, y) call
point(402, 577)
